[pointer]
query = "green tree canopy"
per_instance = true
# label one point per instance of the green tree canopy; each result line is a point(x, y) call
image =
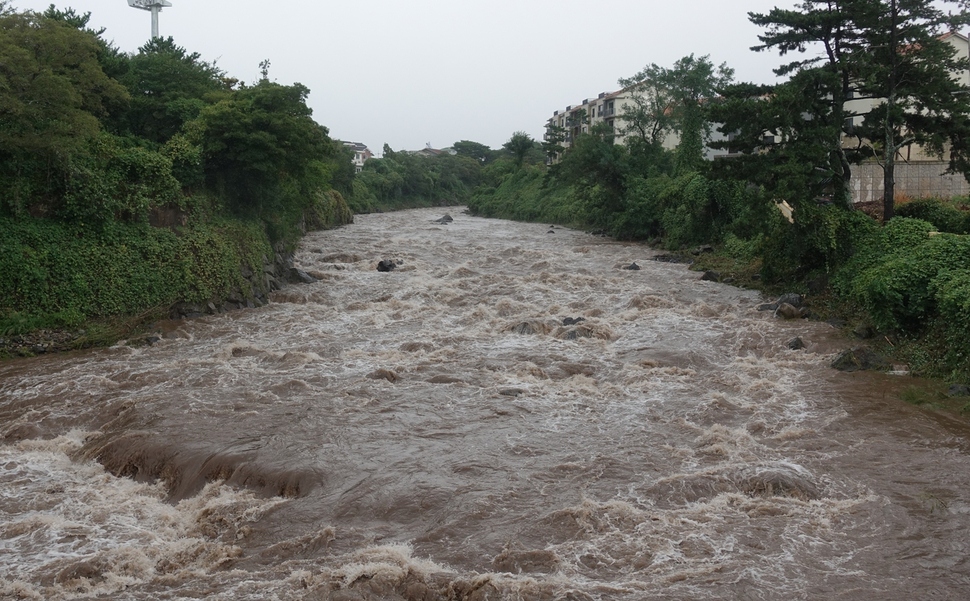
point(52, 94)
point(169, 86)
point(261, 144)
point(519, 146)
point(910, 70)
point(475, 150)
point(676, 99)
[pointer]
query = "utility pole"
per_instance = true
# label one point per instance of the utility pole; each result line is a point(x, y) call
point(155, 6)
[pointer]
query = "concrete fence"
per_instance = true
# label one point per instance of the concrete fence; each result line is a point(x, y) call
point(913, 180)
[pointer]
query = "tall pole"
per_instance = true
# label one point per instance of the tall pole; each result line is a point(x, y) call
point(154, 6)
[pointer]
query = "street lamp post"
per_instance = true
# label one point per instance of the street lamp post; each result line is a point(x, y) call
point(155, 6)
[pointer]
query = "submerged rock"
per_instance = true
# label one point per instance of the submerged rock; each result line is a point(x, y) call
point(959, 390)
point(446, 218)
point(386, 265)
point(383, 374)
point(796, 343)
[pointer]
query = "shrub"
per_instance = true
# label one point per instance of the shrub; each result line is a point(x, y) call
point(903, 289)
point(944, 216)
point(902, 233)
point(823, 238)
point(52, 273)
point(329, 209)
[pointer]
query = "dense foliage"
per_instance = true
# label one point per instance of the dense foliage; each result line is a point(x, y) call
point(132, 181)
point(69, 273)
point(406, 179)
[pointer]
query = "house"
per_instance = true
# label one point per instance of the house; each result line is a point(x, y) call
point(428, 151)
point(361, 154)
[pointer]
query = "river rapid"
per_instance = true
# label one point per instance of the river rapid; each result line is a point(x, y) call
point(437, 432)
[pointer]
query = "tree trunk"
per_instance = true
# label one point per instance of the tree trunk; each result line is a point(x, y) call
point(889, 165)
point(888, 190)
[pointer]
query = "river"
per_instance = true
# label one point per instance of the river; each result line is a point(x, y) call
point(437, 432)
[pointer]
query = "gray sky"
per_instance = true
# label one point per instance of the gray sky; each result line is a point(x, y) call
point(411, 72)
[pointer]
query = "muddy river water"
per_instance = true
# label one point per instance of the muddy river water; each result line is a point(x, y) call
point(452, 430)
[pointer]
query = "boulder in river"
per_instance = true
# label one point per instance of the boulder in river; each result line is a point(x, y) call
point(633, 266)
point(860, 358)
point(790, 312)
point(446, 218)
point(386, 265)
point(297, 275)
point(789, 298)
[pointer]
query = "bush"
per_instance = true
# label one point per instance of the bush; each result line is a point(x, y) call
point(116, 181)
point(902, 233)
point(329, 209)
point(904, 289)
point(944, 216)
point(823, 238)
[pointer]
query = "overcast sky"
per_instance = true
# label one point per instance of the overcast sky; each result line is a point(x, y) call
point(412, 72)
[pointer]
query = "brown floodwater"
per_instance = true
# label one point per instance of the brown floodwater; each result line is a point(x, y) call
point(437, 432)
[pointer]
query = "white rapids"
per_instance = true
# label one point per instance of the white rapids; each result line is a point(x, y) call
point(510, 413)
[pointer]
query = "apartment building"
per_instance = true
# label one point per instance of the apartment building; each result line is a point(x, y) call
point(608, 108)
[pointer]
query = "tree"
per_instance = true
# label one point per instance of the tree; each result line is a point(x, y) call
point(519, 146)
point(475, 150)
point(597, 169)
point(909, 68)
point(169, 86)
point(262, 149)
point(676, 99)
point(52, 94)
point(647, 113)
point(827, 75)
point(882, 62)
point(552, 141)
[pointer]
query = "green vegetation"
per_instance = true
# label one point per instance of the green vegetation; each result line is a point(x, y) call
point(908, 278)
point(129, 182)
point(402, 180)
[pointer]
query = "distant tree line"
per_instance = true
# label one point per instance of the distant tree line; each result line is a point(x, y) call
point(401, 179)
